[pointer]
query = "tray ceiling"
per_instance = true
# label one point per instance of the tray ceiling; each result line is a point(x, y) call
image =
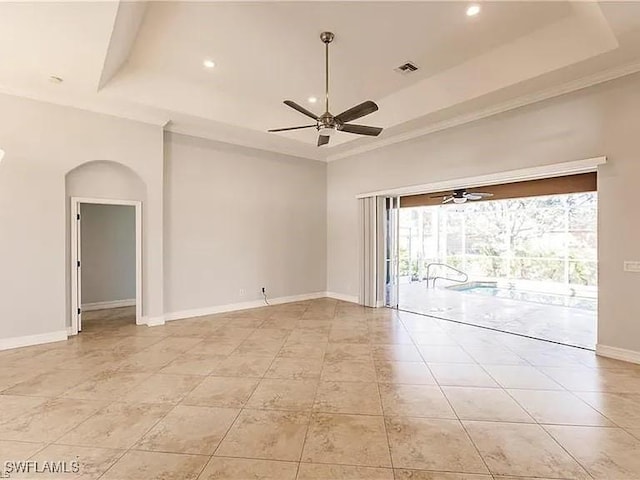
point(145, 61)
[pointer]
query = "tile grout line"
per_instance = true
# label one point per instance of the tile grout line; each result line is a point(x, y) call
point(126, 451)
point(243, 407)
point(384, 424)
point(132, 447)
point(584, 468)
point(505, 391)
point(535, 421)
point(484, 462)
point(527, 361)
point(315, 396)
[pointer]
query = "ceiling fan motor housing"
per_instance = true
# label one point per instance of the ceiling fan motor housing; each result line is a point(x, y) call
point(327, 121)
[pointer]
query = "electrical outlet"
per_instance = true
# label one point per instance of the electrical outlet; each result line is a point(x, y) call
point(632, 266)
point(264, 289)
point(242, 292)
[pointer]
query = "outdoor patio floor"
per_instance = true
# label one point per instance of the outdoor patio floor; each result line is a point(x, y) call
point(571, 326)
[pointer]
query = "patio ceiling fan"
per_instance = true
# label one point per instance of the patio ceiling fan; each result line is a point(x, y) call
point(461, 195)
point(327, 124)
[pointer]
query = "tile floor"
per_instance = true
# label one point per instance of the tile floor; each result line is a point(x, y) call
point(568, 325)
point(317, 390)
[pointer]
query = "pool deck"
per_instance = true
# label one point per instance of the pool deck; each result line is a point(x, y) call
point(571, 326)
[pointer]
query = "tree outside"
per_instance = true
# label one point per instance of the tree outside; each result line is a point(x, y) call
point(550, 239)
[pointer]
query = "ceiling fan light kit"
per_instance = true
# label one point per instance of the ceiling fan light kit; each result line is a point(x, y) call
point(327, 124)
point(461, 195)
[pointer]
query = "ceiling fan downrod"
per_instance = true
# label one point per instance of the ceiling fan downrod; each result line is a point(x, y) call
point(327, 38)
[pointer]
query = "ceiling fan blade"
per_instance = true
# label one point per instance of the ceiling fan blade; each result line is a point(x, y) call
point(323, 140)
point(447, 200)
point(442, 195)
point(290, 128)
point(360, 129)
point(477, 195)
point(365, 108)
point(301, 109)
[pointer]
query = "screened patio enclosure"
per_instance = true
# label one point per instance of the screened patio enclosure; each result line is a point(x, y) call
point(523, 265)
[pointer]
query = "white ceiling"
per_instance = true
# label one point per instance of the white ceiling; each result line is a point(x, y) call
point(144, 61)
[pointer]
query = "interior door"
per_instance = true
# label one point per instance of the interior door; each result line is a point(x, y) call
point(392, 260)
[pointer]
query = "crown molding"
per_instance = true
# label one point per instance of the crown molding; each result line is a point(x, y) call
point(556, 91)
point(255, 140)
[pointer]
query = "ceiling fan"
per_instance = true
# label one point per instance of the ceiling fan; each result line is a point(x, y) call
point(461, 196)
point(327, 124)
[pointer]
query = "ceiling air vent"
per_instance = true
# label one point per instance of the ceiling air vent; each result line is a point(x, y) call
point(406, 68)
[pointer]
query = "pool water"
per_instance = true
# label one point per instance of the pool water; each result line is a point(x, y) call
point(583, 303)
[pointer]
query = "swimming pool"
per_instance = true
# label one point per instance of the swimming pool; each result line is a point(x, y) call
point(583, 303)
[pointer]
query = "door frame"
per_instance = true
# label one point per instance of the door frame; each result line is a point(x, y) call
point(510, 176)
point(391, 249)
point(76, 254)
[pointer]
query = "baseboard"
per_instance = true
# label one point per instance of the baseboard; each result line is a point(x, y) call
point(88, 307)
point(153, 321)
point(232, 307)
point(618, 353)
point(344, 298)
point(17, 342)
point(29, 340)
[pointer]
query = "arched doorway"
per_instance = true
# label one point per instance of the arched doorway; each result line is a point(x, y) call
point(104, 205)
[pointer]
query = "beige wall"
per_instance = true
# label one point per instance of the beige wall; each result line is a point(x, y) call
point(602, 120)
point(239, 219)
point(235, 218)
point(43, 143)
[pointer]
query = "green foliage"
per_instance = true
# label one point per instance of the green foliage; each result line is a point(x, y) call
point(551, 238)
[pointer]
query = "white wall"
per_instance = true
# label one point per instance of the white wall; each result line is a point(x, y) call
point(602, 120)
point(42, 143)
point(108, 246)
point(238, 218)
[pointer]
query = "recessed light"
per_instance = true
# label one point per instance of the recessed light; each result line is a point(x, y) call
point(54, 79)
point(209, 63)
point(473, 10)
point(312, 99)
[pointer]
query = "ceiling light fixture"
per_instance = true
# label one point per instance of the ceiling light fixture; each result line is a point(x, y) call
point(312, 99)
point(209, 63)
point(326, 131)
point(473, 10)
